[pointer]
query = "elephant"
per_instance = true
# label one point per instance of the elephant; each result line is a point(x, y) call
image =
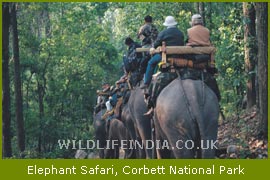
point(142, 123)
point(121, 129)
point(100, 131)
point(128, 122)
point(186, 117)
point(118, 136)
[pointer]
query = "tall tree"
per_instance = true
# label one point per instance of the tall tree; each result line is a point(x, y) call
point(209, 17)
point(199, 6)
point(250, 51)
point(201, 10)
point(40, 91)
point(7, 150)
point(262, 38)
point(17, 79)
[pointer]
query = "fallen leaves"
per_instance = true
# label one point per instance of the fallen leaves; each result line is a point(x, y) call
point(238, 137)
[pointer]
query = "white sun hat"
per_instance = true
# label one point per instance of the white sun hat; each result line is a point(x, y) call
point(169, 21)
point(196, 19)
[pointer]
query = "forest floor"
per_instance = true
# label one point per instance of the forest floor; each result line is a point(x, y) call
point(238, 137)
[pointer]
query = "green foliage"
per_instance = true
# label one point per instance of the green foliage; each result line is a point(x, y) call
point(230, 56)
point(68, 49)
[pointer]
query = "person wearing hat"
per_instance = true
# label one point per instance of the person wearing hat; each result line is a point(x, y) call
point(172, 36)
point(198, 35)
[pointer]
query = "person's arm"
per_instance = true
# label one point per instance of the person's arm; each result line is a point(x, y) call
point(159, 40)
point(187, 39)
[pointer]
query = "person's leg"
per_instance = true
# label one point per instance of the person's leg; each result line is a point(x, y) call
point(109, 111)
point(143, 64)
point(151, 67)
point(99, 100)
point(108, 106)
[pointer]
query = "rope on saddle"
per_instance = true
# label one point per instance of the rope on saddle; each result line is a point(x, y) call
point(203, 90)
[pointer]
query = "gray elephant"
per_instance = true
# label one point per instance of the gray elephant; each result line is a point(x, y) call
point(118, 136)
point(100, 131)
point(186, 117)
point(142, 123)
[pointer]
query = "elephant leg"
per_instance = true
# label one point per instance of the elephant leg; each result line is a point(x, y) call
point(183, 152)
point(108, 153)
point(100, 137)
point(140, 152)
point(181, 145)
point(101, 154)
point(208, 147)
point(101, 143)
point(116, 155)
point(161, 151)
point(145, 134)
point(153, 131)
point(131, 154)
point(140, 148)
point(208, 133)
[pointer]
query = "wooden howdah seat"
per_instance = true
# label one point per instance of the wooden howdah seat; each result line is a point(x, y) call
point(182, 50)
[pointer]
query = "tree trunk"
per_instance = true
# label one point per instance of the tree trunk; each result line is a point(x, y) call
point(7, 150)
point(17, 80)
point(262, 38)
point(209, 17)
point(41, 115)
point(197, 7)
point(47, 21)
point(201, 11)
point(250, 51)
point(41, 81)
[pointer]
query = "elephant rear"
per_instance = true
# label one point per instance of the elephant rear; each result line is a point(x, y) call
point(187, 116)
point(118, 135)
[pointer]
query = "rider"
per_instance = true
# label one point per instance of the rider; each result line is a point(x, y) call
point(198, 35)
point(147, 34)
point(172, 36)
point(103, 95)
point(132, 60)
point(110, 104)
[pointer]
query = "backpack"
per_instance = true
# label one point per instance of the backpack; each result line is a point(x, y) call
point(150, 32)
